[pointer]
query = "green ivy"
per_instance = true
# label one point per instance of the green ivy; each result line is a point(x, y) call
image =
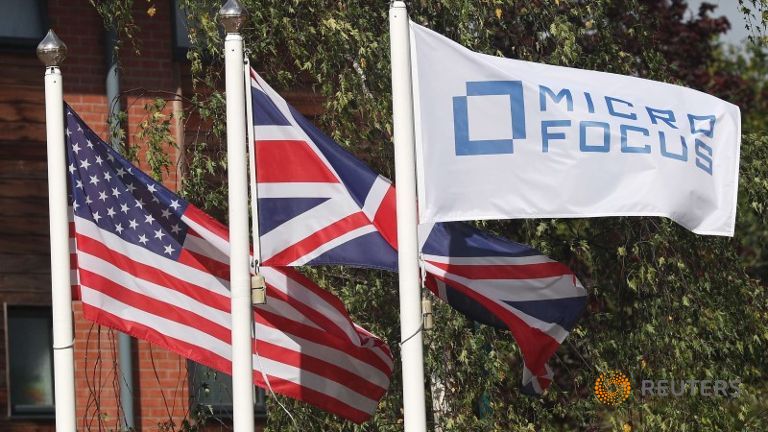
point(155, 133)
point(117, 15)
point(664, 303)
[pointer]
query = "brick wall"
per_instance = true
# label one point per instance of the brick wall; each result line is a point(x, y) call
point(161, 387)
point(160, 394)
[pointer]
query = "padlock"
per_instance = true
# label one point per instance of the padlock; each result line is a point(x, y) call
point(426, 311)
point(258, 290)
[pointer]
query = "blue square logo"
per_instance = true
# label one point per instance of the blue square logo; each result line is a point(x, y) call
point(466, 146)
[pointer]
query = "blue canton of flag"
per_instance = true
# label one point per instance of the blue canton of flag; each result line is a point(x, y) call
point(109, 192)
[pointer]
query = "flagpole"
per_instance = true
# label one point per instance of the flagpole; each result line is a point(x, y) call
point(52, 52)
point(232, 17)
point(412, 350)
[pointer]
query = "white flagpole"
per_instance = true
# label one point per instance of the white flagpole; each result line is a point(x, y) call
point(52, 51)
point(412, 350)
point(232, 17)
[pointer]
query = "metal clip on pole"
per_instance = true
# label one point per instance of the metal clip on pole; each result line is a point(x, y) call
point(426, 312)
point(258, 290)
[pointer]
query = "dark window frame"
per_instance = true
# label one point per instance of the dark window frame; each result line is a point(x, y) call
point(179, 52)
point(44, 414)
point(22, 44)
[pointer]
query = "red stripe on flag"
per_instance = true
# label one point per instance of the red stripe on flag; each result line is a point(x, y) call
point(205, 220)
point(151, 274)
point(204, 263)
point(319, 367)
point(319, 336)
point(285, 355)
point(386, 218)
point(297, 163)
point(368, 336)
point(75, 288)
point(154, 306)
point(336, 303)
point(208, 358)
point(314, 397)
point(328, 325)
point(512, 271)
point(317, 239)
point(138, 330)
point(307, 284)
point(536, 346)
point(266, 349)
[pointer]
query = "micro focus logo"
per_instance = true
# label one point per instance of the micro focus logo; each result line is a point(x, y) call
point(571, 121)
point(612, 388)
point(502, 99)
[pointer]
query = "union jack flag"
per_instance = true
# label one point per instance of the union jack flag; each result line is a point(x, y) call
point(318, 204)
point(506, 285)
point(154, 266)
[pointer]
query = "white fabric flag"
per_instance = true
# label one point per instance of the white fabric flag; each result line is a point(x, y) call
point(499, 138)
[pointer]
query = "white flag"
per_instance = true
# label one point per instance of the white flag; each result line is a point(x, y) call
point(499, 138)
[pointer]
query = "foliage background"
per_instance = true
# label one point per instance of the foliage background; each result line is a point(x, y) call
point(664, 303)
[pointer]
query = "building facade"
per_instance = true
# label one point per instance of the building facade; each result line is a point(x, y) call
point(167, 389)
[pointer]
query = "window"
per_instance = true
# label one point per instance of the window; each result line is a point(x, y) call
point(181, 42)
point(213, 389)
point(181, 26)
point(23, 23)
point(29, 360)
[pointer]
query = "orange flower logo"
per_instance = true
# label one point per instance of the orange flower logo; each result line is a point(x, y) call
point(612, 388)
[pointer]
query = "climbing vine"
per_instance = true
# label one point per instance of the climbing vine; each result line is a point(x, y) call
point(664, 303)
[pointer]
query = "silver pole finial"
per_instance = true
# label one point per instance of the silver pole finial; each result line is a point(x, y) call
point(232, 16)
point(51, 50)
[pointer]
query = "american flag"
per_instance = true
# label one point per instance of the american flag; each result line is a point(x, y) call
point(154, 266)
point(321, 205)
